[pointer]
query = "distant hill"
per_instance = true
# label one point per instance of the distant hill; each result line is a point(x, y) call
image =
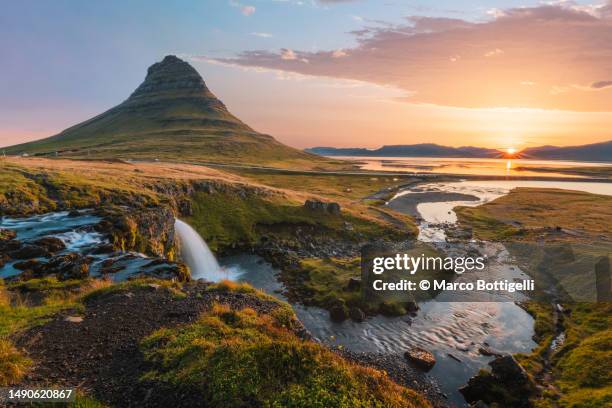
point(590, 152)
point(172, 115)
point(416, 150)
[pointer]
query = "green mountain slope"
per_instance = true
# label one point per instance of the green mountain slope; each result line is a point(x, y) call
point(172, 115)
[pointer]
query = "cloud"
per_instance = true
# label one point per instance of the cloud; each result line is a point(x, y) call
point(288, 55)
point(601, 84)
point(562, 49)
point(339, 53)
point(494, 53)
point(262, 35)
point(246, 10)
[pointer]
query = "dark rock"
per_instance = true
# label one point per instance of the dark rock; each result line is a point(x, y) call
point(103, 249)
point(507, 384)
point(353, 284)
point(338, 313)
point(320, 206)
point(411, 306)
point(421, 358)
point(74, 213)
point(357, 314)
point(29, 251)
point(454, 357)
point(51, 244)
point(487, 351)
point(31, 265)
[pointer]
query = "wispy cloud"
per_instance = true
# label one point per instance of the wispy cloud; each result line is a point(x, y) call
point(245, 9)
point(262, 35)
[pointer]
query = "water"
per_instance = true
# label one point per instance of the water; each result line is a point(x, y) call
point(457, 328)
point(78, 234)
point(475, 166)
point(196, 254)
point(436, 214)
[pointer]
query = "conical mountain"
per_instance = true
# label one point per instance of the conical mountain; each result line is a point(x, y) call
point(172, 115)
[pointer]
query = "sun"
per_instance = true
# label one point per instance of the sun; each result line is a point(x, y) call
point(511, 150)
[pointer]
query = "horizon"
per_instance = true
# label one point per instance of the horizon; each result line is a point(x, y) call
point(318, 72)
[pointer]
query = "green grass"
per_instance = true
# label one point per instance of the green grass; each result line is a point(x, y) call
point(241, 358)
point(229, 219)
point(329, 185)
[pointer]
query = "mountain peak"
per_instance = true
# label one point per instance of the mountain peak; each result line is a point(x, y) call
point(172, 77)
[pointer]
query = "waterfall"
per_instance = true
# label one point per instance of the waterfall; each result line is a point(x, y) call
point(197, 255)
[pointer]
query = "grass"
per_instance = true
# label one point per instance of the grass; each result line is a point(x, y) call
point(13, 365)
point(354, 187)
point(230, 219)
point(580, 367)
point(242, 358)
point(524, 212)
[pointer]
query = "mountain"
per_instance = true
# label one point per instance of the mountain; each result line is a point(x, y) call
point(416, 150)
point(172, 115)
point(590, 152)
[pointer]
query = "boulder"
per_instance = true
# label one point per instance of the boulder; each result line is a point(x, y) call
point(357, 314)
point(320, 206)
point(338, 313)
point(51, 244)
point(354, 284)
point(29, 251)
point(421, 358)
point(507, 384)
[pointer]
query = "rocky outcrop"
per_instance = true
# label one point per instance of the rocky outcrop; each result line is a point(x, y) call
point(320, 206)
point(507, 384)
point(146, 230)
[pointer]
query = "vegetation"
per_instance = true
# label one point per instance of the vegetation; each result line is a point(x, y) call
point(594, 171)
point(333, 186)
point(227, 219)
point(242, 358)
point(527, 213)
point(575, 228)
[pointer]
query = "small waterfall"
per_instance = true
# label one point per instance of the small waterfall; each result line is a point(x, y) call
point(197, 255)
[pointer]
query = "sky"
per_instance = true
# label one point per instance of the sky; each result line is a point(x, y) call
point(340, 73)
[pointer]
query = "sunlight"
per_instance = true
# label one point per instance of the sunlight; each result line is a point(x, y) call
point(511, 150)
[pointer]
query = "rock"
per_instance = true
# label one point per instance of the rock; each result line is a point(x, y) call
point(74, 319)
point(29, 265)
point(454, 357)
point(421, 358)
point(7, 234)
point(74, 213)
point(338, 313)
point(103, 249)
point(411, 306)
point(29, 251)
point(507, 384)
point(51, 244)
point(487, 351)
point(357, 314)
point(320, 206)
point(354, 284)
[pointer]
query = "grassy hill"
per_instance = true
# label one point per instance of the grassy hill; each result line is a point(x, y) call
point(172, 116)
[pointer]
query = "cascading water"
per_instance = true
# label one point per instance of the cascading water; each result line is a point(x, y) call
point(197, 255)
